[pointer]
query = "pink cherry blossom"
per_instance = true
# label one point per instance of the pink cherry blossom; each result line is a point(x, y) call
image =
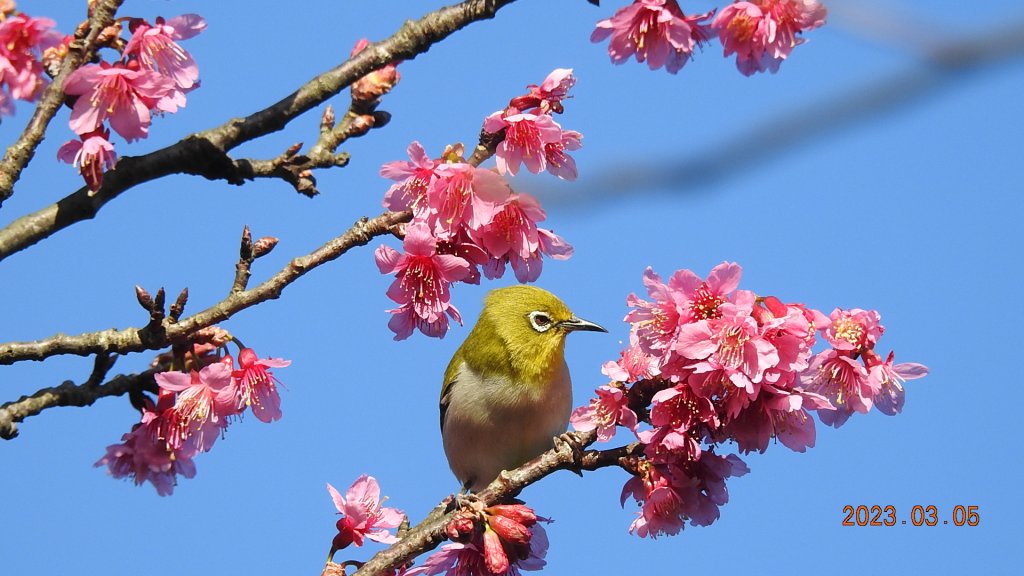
point(156, 48)
point(731, 343)
point(888, 380)
point(843, 381)
point(92, 156)
point(546, 98)
point(119, 94)
point(853, 330)
point(22, 41)
point(704, 297)
point(680, 419)
point(512, 236)
point(363, 516)
point(204, 401)
point(405, 320)
point(557, 161)
point(526, 138)
point(604, 413)
point(144, 457)
point(656, 324)
point(413, 178)
point(513, 228)
point(671, 495)
point(655, 31)
point(633, 364)
point(781, 414)
point(763, 33)
point(422, 280)
point(255, 386)
point(463, 195)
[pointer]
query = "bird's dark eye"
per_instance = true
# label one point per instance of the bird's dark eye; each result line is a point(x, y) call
point(540, 321)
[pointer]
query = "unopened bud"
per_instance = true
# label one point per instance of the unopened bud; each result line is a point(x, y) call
point(361, 124)
point(327, 119)
point(111, 37)
point(179, 305)
point(145, 300)
point(263, 246)
point(494, 555)
point(519, 512)
point(381, 118)
point(214, 335)
point(53, 57)
point(510, 531)
point(375, 84)
point(461, 527)
point(245, 246)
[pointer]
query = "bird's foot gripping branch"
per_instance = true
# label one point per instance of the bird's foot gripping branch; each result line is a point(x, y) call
point(708, 365)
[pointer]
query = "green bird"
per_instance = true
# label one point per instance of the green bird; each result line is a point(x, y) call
point(507, 392)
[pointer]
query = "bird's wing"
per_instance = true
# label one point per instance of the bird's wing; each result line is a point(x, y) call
point(451, 376)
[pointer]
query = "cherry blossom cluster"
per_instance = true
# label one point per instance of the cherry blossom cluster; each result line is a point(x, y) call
point(761, 33)
point(23, 42)
point(709, 363)
point(152, 75)
point(193, 409)
point(467, 222)
point(498, 540)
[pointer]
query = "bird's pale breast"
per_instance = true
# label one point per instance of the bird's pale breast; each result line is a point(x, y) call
point(492, 425)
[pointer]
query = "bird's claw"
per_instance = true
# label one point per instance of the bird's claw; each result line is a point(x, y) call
point(569, 441)
point(462, 501)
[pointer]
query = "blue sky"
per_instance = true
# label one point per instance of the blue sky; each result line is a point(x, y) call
point(912, 209)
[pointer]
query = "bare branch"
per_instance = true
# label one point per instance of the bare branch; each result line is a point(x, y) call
point(68, 394)
point(166, 332)
point(205, 153)
point(81, 50)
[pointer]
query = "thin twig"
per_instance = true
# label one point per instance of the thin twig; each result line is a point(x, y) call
point(154, 337)
point(205, 153)
point(68, 394)
point(81, 50)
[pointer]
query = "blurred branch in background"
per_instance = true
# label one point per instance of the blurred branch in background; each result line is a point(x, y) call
point(942, 63)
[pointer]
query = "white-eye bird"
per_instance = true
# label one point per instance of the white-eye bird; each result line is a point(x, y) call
point(507, 391)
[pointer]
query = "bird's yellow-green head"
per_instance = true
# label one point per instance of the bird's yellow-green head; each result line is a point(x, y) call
point(521, 330)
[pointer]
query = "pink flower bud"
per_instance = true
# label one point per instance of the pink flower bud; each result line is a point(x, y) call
point(510, 531)
point(494, 554)
point(461, 527)
point(344, 536)
point(519, 512)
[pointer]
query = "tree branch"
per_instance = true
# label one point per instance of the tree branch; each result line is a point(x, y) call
point(429, 533)
point(81, 50)
point(68, 394)
point(205, 153)
point(154, 337)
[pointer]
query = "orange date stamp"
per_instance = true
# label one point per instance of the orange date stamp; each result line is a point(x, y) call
point(929, 515)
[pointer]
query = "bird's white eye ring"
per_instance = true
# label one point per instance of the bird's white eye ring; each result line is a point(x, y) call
point(540, 321)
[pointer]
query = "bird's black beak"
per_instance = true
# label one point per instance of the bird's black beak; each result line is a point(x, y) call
point(574, 323)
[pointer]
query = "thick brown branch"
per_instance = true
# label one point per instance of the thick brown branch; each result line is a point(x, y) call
point(68, 394)
point(205, 153)
point(429, 533)
point(80, 51)
point(167, 332)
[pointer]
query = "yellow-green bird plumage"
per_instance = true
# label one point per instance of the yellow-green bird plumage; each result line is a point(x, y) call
point(507, 392)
